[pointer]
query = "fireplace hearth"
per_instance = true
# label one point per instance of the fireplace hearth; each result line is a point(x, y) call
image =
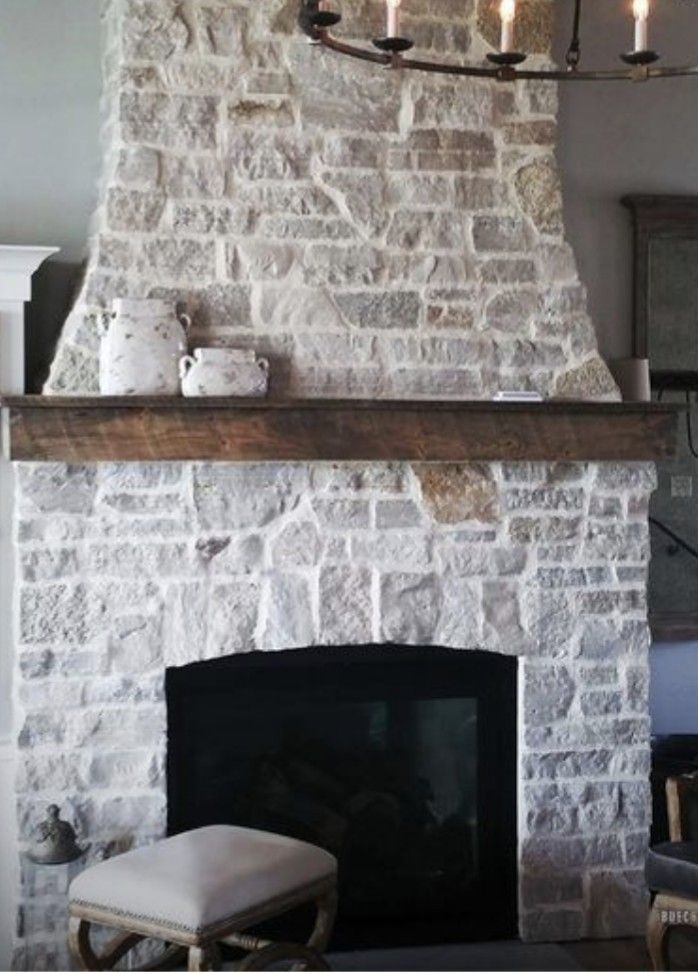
point(401, 761)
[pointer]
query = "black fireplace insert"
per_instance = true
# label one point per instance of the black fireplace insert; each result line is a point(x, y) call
point(399, 760)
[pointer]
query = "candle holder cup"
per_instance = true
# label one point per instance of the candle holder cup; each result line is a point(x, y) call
point(393, 45)
point(506, 57)
point(639, 57)
point(324, 19)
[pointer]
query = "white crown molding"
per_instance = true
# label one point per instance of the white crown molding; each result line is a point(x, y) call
point(17, 264)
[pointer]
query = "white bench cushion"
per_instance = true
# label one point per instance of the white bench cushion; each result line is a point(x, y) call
point(202, 878)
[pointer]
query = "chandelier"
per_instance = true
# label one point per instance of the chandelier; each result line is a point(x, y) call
point(316, 19)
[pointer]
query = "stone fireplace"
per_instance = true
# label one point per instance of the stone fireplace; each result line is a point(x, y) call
point(400, 760)
point(374, 235)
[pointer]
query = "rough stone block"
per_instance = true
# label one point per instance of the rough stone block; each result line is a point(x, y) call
point(223, 29)
point(409, 551)
point(268, 154)
point(45, 565)
point(298, 545)
point(233, 609)
point(139, 167)
point(446, 105)
point(218, 220)
point(398, 514)
point(179, 260)
point(352, 100)
point(454, 493)
point(346, 605)
point(592, 380)
point(513, 312)
point(548, 693)
point(342, 266)
point(193, 177)
point(618, 904)
point(53, 613)
point(227, 496)
point(338, 515)
point(410, 607)
point(499, 233)
point(361, 198)
point(289, 614)
point(153, 30)
point(379, 310)
point(175, 122)
point(50, 488)
point(421, 383)
point(426, 230)
point(262, 260)
point(261, 112)
point(117, 728)
point(539, 192)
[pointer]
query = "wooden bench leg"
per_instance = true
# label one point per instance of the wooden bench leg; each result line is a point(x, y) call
point(668, 911)
point(205, 958)
point(658, 936)
point(324, 922)
point(81, 947)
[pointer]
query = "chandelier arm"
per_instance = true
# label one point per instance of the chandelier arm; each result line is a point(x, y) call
point(498, 73)
point(342, 47)
point(574, 51)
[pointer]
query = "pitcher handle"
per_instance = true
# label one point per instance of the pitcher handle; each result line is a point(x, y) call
point(263, 363)
point(185, 363)
point(185, 321)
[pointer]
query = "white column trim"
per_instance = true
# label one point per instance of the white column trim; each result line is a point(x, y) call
point(17, 264)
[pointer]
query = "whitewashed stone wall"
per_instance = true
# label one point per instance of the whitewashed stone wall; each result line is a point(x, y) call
point(374, 232)
point(127, 569)
point(378, 235)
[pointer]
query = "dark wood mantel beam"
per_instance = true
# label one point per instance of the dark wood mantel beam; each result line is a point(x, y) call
point(76, 430)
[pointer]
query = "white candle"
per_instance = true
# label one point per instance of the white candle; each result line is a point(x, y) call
point(641, 12)
point(507, 13)
point(393, 18)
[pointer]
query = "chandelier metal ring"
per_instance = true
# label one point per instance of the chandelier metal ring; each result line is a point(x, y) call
point(316, 20)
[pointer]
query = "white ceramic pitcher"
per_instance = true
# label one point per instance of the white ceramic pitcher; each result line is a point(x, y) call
point(224, 372)
point(142, 343)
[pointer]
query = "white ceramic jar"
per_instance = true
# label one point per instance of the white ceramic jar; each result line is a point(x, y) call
point(224, 372)
point(142, 343)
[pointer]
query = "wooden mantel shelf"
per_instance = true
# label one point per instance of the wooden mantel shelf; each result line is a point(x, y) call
point(52, 428)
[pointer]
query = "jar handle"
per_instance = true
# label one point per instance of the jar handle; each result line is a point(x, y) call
point(185, 363)
point(184, 320)
point(104, 319)
point(263, 363)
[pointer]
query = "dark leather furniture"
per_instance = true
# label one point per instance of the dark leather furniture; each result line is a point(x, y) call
point(672, 871)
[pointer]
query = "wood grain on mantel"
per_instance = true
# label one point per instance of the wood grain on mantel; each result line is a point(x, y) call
point(75, 430)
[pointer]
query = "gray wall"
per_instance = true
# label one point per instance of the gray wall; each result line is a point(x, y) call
point(49, 113)
point(617, 138)
point(674, 688)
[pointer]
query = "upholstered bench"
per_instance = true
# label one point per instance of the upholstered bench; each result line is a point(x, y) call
point(202, 888)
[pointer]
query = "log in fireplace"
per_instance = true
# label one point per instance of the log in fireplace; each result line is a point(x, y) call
point(401, 761)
